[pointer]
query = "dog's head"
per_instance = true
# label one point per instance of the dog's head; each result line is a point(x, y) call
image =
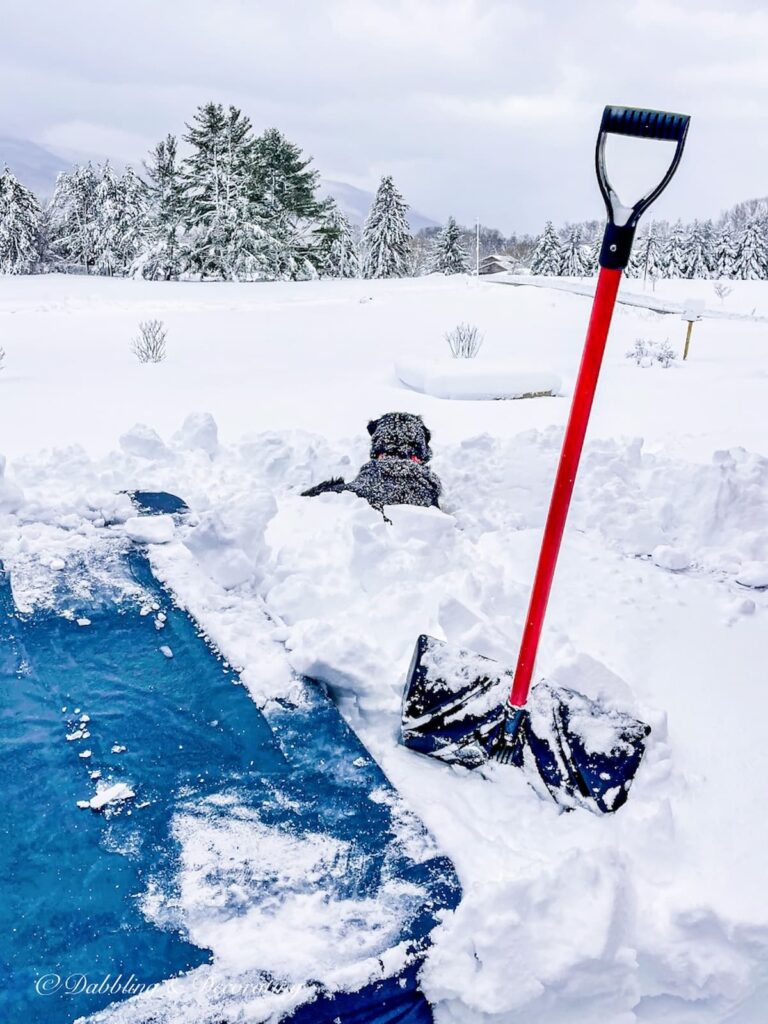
point(400, 435)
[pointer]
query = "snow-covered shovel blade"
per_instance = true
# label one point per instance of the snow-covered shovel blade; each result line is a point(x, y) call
point(453, 704)
point(455, 707)
point(584, 753)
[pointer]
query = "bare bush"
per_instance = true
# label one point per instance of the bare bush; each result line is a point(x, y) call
point(464, 341)
point(2, 357)
point(722, 290)
point(646, 353)
point(149, 345)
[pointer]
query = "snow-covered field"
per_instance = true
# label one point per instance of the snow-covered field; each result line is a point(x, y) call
point(657, 914)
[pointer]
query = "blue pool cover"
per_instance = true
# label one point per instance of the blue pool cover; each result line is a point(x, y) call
point(187, 741)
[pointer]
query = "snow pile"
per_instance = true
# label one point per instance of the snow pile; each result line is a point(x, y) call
point(474, 379)
point(150, 529)
point(11, 497)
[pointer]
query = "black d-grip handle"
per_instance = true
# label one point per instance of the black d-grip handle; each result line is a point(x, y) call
point(622, 220)
point(645, 124)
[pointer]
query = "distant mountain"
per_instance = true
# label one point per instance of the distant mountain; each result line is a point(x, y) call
point(355, 203)
point(34, 165)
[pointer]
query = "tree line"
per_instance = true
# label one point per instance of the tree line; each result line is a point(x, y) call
point(238, 207)
point(736, 248)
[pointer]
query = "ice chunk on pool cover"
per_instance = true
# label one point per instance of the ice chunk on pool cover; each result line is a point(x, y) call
point(104, 895)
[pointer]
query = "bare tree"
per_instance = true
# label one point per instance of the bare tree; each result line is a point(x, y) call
point(149, 345)
point(464, 341)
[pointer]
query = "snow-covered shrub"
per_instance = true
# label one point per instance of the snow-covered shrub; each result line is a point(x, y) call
point(722, 290)
point(149, 345)
point(2, 357)
point(464, 341)
point(646, 353)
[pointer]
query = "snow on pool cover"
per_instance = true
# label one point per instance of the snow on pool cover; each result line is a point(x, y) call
point(271, 838)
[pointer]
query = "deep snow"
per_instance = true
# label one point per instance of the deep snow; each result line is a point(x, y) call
point(658, 914)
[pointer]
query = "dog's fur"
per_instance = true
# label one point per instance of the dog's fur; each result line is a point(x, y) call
point(397, 473)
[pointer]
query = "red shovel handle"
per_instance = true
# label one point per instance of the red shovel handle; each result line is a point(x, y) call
point(597, 334)
point(614, 256)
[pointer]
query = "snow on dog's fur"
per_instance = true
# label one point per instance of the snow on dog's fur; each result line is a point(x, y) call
point(397, 473)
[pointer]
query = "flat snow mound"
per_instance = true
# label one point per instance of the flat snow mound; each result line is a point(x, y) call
point(469, 379)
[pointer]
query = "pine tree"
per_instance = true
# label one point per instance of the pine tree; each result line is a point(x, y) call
point(107, 256)
point(646, 258)
point(74, 217)
point(284, 189)
point(335, 248)
point(572, 260)
point(448, 255)
point(547, 256)
point(725, 253)
point(19, 225)
point(675, 262)
point(226, 238)
point(592, 256)
point(751, 262)
point(698, 257)
point(121, 217)
point(161, 257)
point(134, 217)
point(386, 235)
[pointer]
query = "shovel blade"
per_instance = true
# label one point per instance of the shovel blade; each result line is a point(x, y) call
point(453, 704)
point(585, 753)
point(455, 708)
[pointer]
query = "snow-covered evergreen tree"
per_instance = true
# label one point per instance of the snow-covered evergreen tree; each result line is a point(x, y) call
point(646, 259)
point(674, 262)
point(751, 263)
point(573, 262)
point(134, 222)
point(19, 225)
point(107, 256)
point(386, 235)
point(284, 187)
point(725, 253)
point(161, 255)
point(698, 255)
point(448, 254)
point(335, 250)
point(121, 220)
point(74, 217)
point(226, 238)
point(547, 256)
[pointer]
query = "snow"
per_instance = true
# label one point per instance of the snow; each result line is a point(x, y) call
point(657, 914)
point(114, 794)
point(150, 529)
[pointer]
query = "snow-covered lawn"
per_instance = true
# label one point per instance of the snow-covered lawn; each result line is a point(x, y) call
point(657, 914)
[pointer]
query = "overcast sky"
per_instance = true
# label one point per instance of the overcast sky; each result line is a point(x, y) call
point(477, 107)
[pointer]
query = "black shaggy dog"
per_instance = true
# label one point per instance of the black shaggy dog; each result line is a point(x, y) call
point(397, 473)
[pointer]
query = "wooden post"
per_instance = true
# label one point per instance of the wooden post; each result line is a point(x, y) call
point(687, 339)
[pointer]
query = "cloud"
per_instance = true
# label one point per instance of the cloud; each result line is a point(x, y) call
point(480, 107)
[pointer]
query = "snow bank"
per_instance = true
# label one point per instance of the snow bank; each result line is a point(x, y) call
point(474, 379)
point(11, 496)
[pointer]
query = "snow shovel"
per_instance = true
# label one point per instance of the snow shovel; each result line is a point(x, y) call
point(456, 704)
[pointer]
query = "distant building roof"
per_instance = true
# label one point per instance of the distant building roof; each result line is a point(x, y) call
point(496, 264)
